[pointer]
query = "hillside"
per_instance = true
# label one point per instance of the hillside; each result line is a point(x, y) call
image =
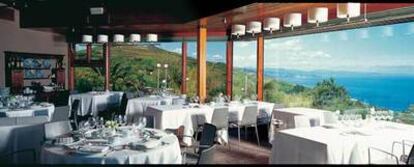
point(134, 67)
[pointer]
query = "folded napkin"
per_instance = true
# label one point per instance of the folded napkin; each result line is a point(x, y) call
point(151, 143)
point(93, 149)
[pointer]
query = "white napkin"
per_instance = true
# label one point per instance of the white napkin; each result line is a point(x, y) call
point(151, 143)
point(93, 149)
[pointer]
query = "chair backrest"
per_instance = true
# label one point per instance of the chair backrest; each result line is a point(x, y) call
point(249, 115)
point(124, 103)
point(329, 118)
point(207, 155)
point(8, 121)
point(55, 129)
point(62, 98)
point(150, 121)
point(208, 135)
point(31, 120)
point(410, 158)
point(74, 108)
point(41, 113)
point(302, 121)
point(220, 118)
point(61, 114)
point(74, 114)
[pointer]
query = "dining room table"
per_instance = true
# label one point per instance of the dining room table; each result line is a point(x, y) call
point(236, 109)
point(341, 143)
point(93, 102)
point(190, 116)
point(35, 109)
point(122, 145)
point(137, 106)
point(287, 118)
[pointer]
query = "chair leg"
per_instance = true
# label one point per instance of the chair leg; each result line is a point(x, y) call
point(257, 135)
point(228, 138)
point(196, 135)
point(245, 132)
point(238, 128)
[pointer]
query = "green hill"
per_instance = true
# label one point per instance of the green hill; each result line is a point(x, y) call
point(134, 67)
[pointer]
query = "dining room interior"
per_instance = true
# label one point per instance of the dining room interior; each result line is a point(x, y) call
point(206, 82)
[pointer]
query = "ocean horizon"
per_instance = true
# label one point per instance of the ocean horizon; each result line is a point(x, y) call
point(394, 92)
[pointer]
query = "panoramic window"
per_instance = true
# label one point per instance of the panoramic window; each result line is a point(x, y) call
point(343, 70)
point(244, 70)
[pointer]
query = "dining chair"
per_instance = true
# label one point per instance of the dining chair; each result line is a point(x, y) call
point(23, 156)
point(206, 141)
point(123, 105)
point(61, 114)
point(205, 157)
point(392, 157)
point(220, 119)
point(329, 118)
point(74, 114)
point(302, 121)
point(55, 129)
point(44, 112)
point(249, 119)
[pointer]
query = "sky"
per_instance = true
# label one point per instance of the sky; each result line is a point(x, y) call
point(382, 49)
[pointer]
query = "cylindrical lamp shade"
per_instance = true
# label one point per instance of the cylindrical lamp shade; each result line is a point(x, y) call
point(238, 29)
point(152, 37)
point(118, 38)
point(102, 38)
point(254, 27)
point(87, 38)
point(134, 38)
point(348, 10)
point(271, 24)
point(292, 20)
point(318, 15)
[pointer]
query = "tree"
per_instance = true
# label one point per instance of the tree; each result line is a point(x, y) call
point(327, 94)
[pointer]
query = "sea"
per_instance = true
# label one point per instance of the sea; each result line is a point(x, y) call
point(394, 92)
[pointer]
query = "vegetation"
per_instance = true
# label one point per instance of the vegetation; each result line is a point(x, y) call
point(135, 67)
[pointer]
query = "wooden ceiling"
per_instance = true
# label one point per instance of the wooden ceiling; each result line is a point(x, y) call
point(169, 19)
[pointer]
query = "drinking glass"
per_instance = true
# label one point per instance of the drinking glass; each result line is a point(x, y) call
point(120, 120)
point(101, 122)
point(142, 122)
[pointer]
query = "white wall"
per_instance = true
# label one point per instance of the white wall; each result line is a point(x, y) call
point(14, 38)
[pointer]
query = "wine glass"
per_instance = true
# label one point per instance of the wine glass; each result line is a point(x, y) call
point(196, 99)
point(101, 122)
point(120, 120)
point(142, 122)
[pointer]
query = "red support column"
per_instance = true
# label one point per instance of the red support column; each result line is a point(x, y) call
point(107, 54)
point(71, 68)
point(260, 65)
point(229, 68)
point(88, 52)
point(184, 67)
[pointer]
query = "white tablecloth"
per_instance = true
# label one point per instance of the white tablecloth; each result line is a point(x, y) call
point(287, 115)
point(31, 112)
point(91, 103)
point(174, 116)
point(163, 154)
point(19, 137)
point(236, 109)
point(320, 145)
point(138, 106)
